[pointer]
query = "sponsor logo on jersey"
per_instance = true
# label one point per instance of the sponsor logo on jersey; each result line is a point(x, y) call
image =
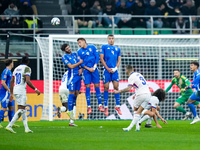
point(87, 53)
point(90, 49)
point(82, 52)
point(108, 48)
point(116, 49)
point(180, 82)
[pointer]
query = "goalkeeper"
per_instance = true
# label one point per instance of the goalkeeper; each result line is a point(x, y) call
point(182, 82)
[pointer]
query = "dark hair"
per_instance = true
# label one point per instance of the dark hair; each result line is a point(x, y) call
point(129, 68)
point(160, 94)
point(25, 60)
point(195, 63)
point(82, 39)
point(64, 46)
point(176, 70)
point(8, 62)
point(110, 35)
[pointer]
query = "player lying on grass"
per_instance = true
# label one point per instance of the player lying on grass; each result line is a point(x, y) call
point(71, 82)
point(151, 110)
point(142, 93)
point(64, 94)
point(21, 77)
point(5, 92)
point(195, 96)
point(110, 57)
point(90, 56)
point(182, 82)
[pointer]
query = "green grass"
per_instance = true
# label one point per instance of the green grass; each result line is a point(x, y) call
point(101, 135)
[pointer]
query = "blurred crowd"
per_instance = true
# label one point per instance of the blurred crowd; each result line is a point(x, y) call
point(18, 7)
point(123, 9)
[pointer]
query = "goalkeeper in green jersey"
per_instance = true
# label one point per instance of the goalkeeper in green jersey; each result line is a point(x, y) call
point(182, 82)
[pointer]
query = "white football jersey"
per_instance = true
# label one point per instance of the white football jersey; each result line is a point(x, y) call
point(19, 73)
point(64, 81)
point(153, 102)
point(137, 80)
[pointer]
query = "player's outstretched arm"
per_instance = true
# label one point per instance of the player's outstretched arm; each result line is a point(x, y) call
point(123, 90)
point(104, 63)
point(30, 84)
point(159, 116)
point(11, 89)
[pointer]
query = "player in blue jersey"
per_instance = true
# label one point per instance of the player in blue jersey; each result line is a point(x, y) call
point(110, 57)
point(72, 63)
point(195, 84)
point(90, 56)
point(5, 92)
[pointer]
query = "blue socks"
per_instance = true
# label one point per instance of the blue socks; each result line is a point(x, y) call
point(98, 94)
point(70, 102)
point(10, 115)
point(74, 101)
point(192, 109)
point(117, 98)
point(1, 114)
point(87, 95)
point(105, 97)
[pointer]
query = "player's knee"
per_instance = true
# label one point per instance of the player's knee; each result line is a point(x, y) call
point(175, 106)
point(116, 88)
point(158, 108)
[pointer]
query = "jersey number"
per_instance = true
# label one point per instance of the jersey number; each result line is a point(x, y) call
point(18, 78)
point(141, 78)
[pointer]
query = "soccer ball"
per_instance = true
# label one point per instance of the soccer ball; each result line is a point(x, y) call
point(55, 21)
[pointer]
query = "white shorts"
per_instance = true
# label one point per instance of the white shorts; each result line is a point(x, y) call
point(63, 94)
point(141, 100)
point(21, 99)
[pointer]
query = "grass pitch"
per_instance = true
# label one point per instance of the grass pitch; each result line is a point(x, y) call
point(101, 135)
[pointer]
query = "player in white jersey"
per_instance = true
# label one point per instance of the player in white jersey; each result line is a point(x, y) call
point(21, 77)
point(142, 93)
point(152, 108)
point(63, 94)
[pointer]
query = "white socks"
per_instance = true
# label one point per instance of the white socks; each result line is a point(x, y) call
point(63, 109)
point(24, 118)
point(15, 117)
point(74, 111)
point(136, 118)
point(144, 118)
point(149, 120)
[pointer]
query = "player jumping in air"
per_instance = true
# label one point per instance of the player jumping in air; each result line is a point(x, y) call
point(5, 92)
point(110, 57)
point(71, 81)
point(194, 97)
point(152, 108)
point(142, 93)
point(90, 56)
point(182, 82)
point(21, 77)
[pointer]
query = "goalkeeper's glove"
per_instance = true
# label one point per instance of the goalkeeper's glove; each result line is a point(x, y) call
point(95, 67)
point(114, 69)
point(182, 90)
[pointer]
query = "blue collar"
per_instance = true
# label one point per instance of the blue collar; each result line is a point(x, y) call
point(132, 73)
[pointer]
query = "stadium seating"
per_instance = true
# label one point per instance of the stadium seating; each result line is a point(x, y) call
point(137, 31)
point(128, 31)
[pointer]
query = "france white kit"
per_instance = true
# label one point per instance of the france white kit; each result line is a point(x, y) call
point(20, 84)
point(153, 103)
point(63, 90)
point(141, 88)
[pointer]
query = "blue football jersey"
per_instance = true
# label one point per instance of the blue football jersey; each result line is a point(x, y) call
point(195, 78)
point(7, 76)
point(89, 55)
point(72, 59)
point(111, 54)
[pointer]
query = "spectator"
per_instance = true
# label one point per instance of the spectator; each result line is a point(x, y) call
point(12, 9)
point(31, 4)
point(181, 25)
point(172, 4)
point(198, 11)
point(164, 12)
point(3, 24)
point(189, 8)
point(96, 10)
point(153, 11)
point(83, 21)
point(195, 25)
point(3, 5)
point(25, 9)
point(124, 15)
point(138, 9)
point(105, 2)
point(117, 3)
point(14, 24)
point(108, 20)
point(197, 3)
point(130, 3)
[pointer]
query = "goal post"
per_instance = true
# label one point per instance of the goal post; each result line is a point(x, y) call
point(155, 56)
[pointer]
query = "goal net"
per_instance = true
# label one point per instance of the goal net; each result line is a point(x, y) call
point(154, 56)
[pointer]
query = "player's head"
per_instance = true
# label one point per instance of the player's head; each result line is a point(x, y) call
point(177, 73)
point(194, 65)
point(111, 39)
point(65, 48)
point(9, 63)
point(160, 94)
point(81, 42)
point(25, 60)
point(129, 69)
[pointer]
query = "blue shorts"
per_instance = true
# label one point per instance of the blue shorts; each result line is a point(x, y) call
point(107, 77)
point(89, 77)
point(194, 97)
point(74, 84)
point(4, 98)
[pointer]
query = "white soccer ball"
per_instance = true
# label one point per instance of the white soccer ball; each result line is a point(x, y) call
point(55, 21)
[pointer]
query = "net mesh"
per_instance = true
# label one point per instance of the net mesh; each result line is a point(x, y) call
point(153, 56)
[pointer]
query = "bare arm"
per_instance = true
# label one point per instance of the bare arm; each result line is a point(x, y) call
point(123, 90)
point(11, 89)
point(159, 116)
point(118, 61)
point(104, 63)
point(30, 84)
point(3, 82)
